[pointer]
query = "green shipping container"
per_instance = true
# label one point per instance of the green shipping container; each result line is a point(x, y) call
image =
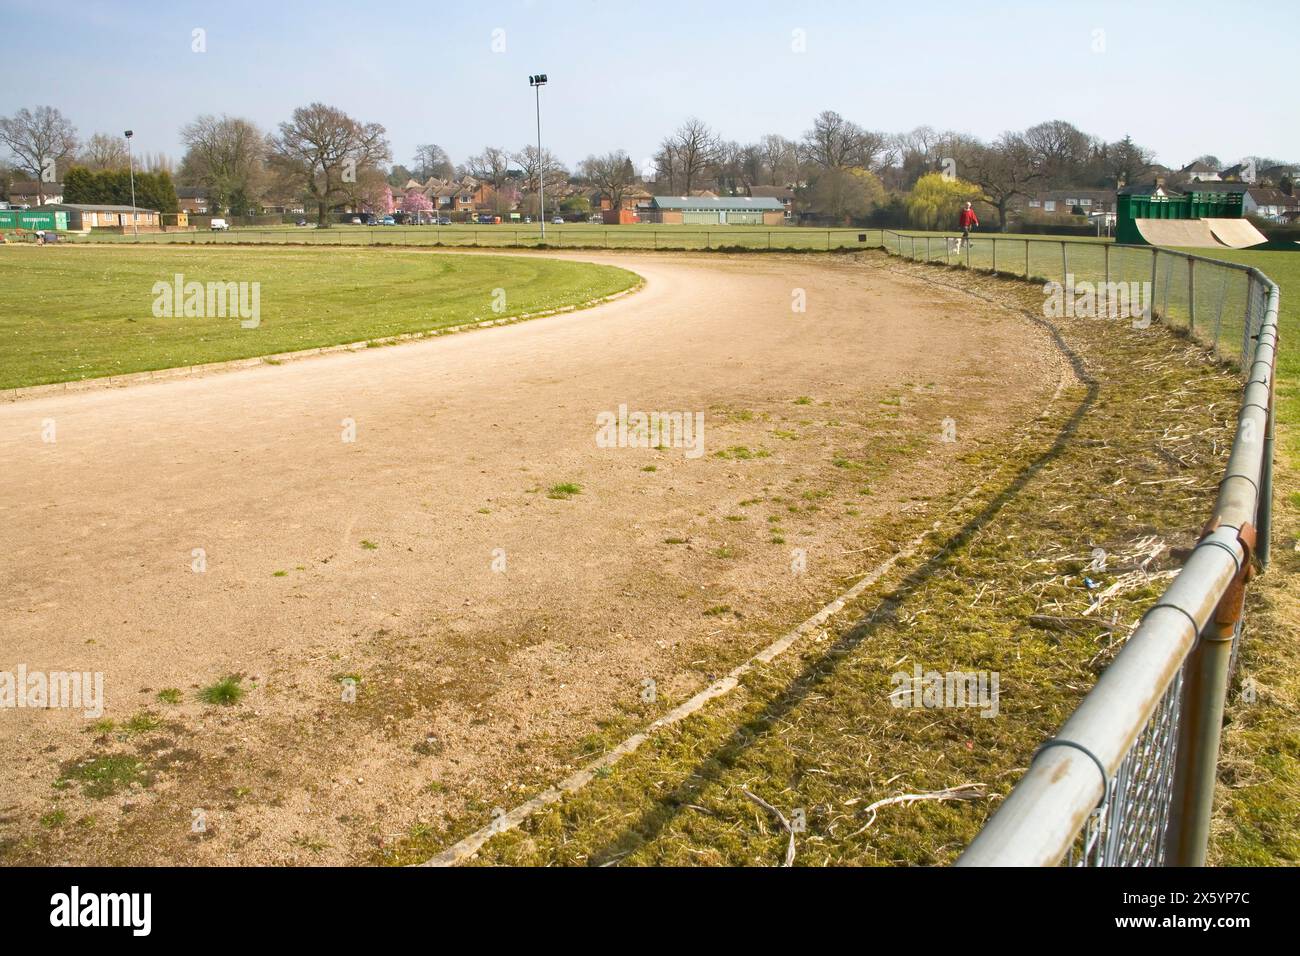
point(33, 219)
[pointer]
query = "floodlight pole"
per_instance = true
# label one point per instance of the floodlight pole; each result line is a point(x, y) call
point(537, 82)
point(130, 162)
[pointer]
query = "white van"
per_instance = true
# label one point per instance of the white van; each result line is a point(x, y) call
point(219, 225)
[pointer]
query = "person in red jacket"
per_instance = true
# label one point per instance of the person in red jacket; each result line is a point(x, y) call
point(967, 220)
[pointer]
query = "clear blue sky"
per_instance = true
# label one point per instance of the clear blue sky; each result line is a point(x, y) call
point(622, 74)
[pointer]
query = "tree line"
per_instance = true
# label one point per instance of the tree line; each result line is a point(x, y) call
point(838, 170)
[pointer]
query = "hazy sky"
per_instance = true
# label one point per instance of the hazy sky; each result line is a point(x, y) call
point(622, 74)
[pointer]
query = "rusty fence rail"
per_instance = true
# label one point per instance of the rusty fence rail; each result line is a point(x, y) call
point(1128, 780)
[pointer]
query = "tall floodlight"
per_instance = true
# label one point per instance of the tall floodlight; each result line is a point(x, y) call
point(135, 229)
point(537, 82)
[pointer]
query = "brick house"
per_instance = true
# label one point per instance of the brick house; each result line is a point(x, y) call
point(30, 193)
point(194, 199)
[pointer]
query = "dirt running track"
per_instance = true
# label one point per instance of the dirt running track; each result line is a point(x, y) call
point(375, 558)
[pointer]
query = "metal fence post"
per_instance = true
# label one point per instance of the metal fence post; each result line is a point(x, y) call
point(1065, 266)
point(1191, 295)
point(1264, 510)
point(1106, 282)
point(1205, 688)
point(927, 248)
point(995, 255)
point(1026, 242)
point(1155, 271)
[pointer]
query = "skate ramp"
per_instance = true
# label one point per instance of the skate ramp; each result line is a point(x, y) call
point(1178, 232)
point(1236, 233)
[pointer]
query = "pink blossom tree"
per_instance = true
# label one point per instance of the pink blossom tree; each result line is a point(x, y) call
point(416, 204)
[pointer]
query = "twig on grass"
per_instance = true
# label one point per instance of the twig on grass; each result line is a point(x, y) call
point(785, 824)
point(965, 791)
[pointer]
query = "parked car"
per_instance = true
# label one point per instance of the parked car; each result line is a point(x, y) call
point(528, 218)
point(388, 221)
point(597, 220)
point(444, 221)
point(301, 222)
point(219, 225)
point(558, 221)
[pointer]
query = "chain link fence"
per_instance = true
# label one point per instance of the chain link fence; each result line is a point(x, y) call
point(1129, 778)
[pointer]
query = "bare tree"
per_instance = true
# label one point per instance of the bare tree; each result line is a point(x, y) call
point(665, 161)
point(780, 159)
point(541, 168)
point(694, 149)
point(491, 166)
point(41, 141)
point(432, 160)
point(227, 154)
point(612, 174)
point(324, 149)
point(1003, 171)
point(837, 143)
point(102, 152)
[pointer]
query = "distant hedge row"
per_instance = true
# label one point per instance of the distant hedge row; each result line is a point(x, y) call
point(112, 187)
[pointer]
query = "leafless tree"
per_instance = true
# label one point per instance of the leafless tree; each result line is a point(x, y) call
point(227, 154)
point(490, 166)
point(324, 149)
point(102, 152)
point(837, 143)
point(612, 173)
point(41, 141)
point(543, 166)
point(694, 149)
point(1003, 172)
point(432, 160)
point(780, 160)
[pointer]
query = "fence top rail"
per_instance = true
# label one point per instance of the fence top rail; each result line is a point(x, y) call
point(1045, 812)
point(1079, 241)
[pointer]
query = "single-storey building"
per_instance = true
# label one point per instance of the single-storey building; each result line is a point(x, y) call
point(717, 211)
point(82, 217)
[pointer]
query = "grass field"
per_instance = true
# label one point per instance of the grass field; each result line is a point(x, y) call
point(87, 313)
point(568, 236)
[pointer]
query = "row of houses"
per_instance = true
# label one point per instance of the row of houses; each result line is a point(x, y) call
point(1202, 172)
point(1263, 202)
